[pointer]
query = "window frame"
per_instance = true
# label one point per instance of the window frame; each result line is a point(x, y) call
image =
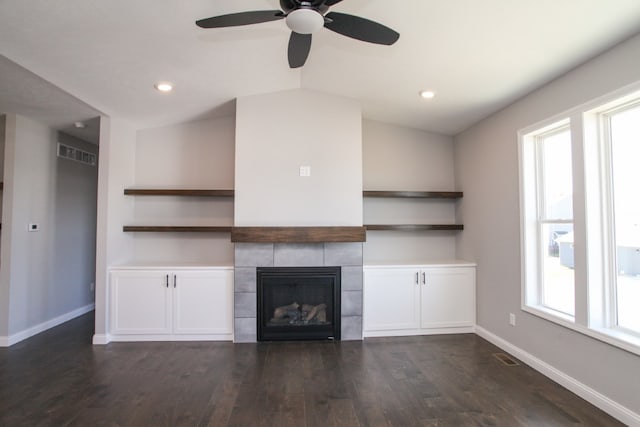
point(594, 296)
point(609, 260)
point(534, 212)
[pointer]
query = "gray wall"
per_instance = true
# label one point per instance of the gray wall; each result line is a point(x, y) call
point(76, 190)
point(486, 164)
point(197, 154)
point(4, 287)
point(399, 158)
point(46, 274)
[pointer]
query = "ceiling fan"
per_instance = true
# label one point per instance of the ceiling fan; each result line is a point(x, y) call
point(304, 18)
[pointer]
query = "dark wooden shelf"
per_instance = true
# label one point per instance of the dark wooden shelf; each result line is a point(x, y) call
point(178, 228)
point(414, 194)
point(178, 192)
point(414, 227)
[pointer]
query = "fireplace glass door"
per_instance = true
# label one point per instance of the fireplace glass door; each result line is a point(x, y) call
point(298, 303)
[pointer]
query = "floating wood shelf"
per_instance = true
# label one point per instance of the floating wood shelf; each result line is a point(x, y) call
point(415, 194)
point(231, 193)
point(297, 234)
point(178, 192)
point(178, 228)
point(414, 227)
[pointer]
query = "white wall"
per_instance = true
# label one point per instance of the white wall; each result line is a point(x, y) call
point(44, 272)
point(113, 246)
point(487, 170)
point(195, 155)
point(279, 132)
point(398, 158)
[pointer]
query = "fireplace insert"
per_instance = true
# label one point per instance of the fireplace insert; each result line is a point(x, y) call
point(298, 303)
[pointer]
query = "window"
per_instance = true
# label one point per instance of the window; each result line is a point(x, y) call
point(621, 178)
point(549, 238)
point(580, 219)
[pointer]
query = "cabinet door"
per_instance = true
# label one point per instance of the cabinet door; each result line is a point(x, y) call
point(203, 302)
point(391, 299)
point(448, 297)
point(140, 302)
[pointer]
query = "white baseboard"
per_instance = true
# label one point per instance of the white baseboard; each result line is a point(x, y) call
point(169, 338)
point(592, 396)
point(101, 339)
point(34, 330)
point(412, 332)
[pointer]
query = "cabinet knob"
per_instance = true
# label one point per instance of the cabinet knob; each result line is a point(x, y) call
point(167, 281)
point(175, 280)
point(417, 277)
point(424, 278)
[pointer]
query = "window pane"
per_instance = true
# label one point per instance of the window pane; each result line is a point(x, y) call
point(557, 179)
point(556, 259)
point(625, 157)
point(558, 288)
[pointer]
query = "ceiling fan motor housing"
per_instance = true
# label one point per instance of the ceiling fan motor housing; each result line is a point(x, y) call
point(290, 5)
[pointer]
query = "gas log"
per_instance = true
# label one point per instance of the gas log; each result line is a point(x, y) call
point(296, 313)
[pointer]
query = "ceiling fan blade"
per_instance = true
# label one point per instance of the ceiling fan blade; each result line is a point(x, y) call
point(360, 28)
point(241, 18)
point(299, 47)
point(331, 2)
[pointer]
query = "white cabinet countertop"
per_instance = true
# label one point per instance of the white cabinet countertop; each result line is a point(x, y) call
point(163, 266)
point(443, 263)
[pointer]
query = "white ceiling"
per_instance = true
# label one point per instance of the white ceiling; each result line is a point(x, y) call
point(25, 93)
point(478, 55)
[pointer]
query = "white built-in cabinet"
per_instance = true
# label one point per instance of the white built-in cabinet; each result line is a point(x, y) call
point(419, 299)
point(165, 304)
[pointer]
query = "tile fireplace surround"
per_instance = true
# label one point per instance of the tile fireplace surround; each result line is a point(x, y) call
point(248, 256)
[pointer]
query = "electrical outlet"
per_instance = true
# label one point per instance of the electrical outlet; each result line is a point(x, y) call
point(33, 227)
point(305, 170)
point(512, 319)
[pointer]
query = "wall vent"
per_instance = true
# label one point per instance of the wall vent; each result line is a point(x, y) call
point(76, 154)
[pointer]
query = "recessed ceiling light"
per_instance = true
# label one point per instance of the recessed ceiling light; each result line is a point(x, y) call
point(79, 125)
point(164, 86)
point(427, 94)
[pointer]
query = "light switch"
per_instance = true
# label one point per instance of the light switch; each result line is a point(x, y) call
point(305, 170)
point(33, 227)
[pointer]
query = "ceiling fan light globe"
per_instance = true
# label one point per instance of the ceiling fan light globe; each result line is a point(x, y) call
point(305, 21)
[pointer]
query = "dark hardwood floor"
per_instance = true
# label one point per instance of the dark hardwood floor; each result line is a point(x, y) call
point(59, 379)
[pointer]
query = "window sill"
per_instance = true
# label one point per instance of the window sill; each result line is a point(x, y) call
point(614, 337)
point(551, 315)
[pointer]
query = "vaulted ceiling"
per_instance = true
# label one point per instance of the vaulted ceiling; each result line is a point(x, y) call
point(477, 55)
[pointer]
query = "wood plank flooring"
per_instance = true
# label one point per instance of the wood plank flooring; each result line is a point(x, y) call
point(59, 379)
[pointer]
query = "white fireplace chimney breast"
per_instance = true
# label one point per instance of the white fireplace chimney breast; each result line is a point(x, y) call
point(277, 133)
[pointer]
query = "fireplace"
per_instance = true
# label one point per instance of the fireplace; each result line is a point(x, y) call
point(249, 257)
point(298, 303)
